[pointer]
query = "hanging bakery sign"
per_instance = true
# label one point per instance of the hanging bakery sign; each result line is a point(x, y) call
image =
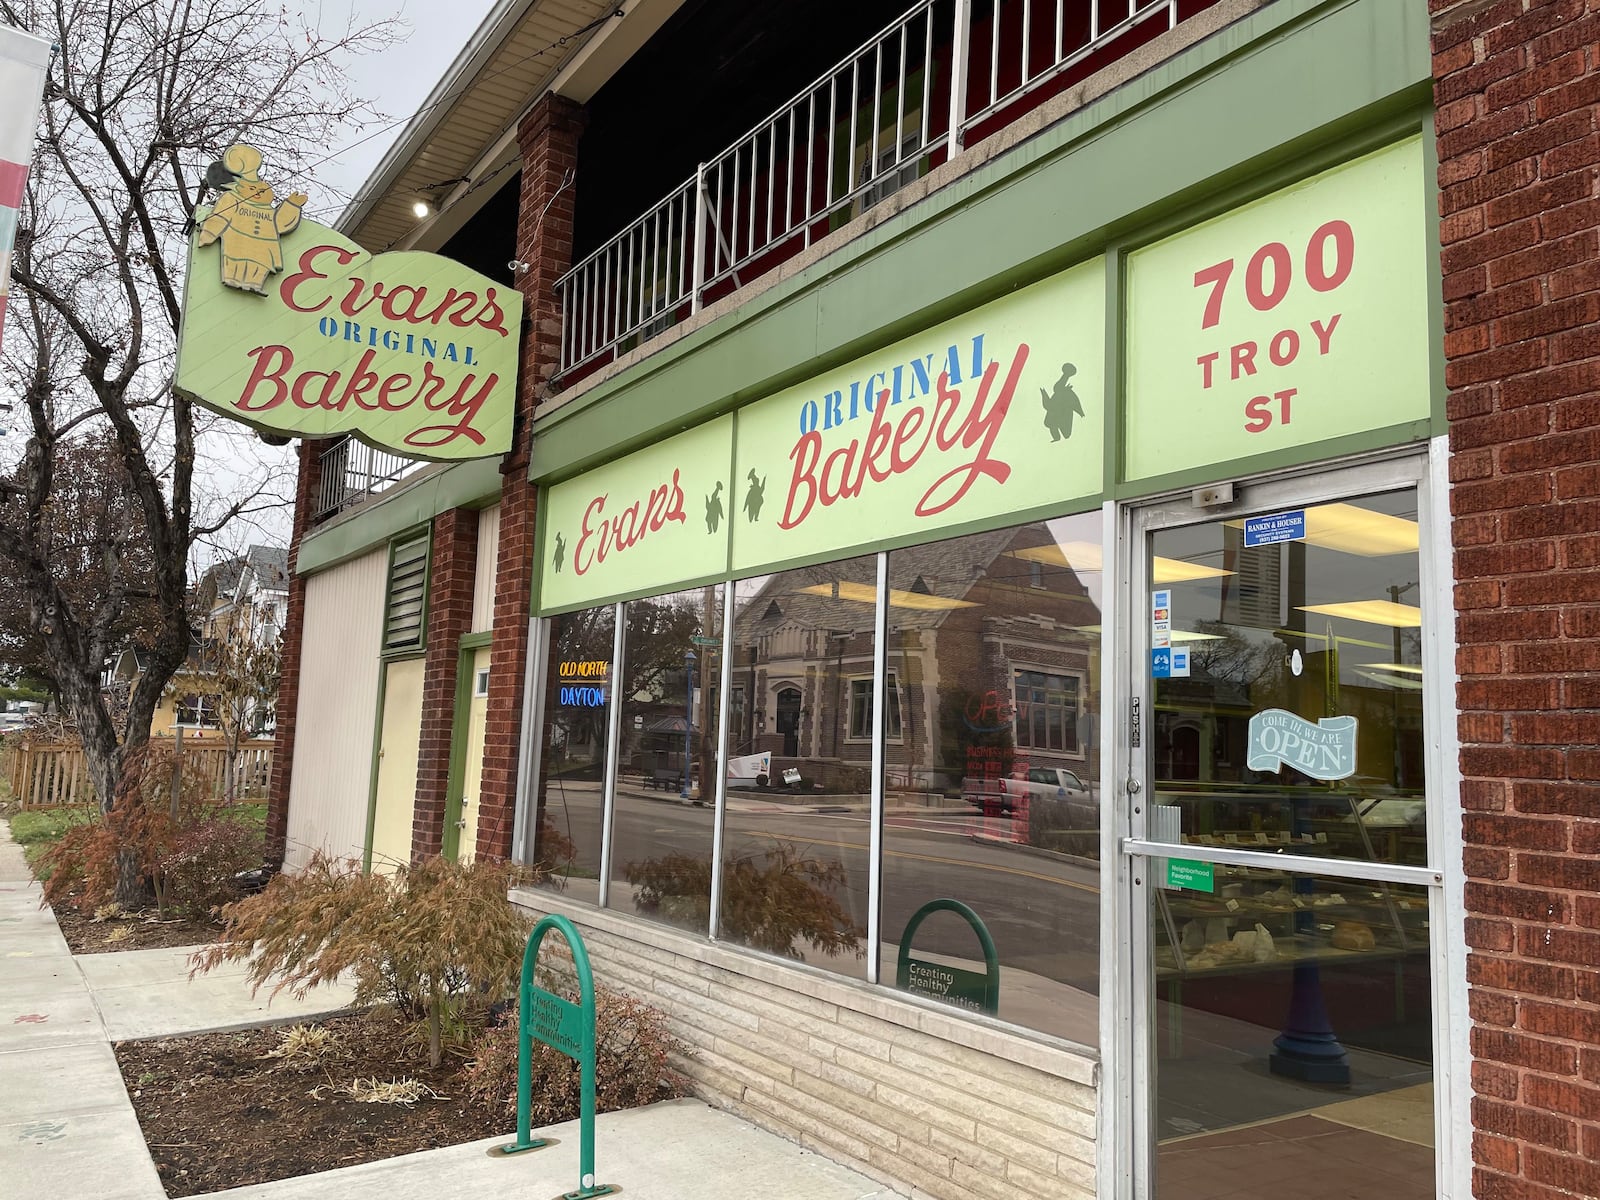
point(294, 329)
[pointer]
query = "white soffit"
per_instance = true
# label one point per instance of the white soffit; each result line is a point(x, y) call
point(466, 128)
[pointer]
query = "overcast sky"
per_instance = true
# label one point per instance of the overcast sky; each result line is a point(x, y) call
point(397, 80)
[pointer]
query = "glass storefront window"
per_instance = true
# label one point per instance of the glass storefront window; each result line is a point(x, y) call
point(570, 798)
point(1310, 646)
point(796, 830)
point(992, 792)
point(667, 757)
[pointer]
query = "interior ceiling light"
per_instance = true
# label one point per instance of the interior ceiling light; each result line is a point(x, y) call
point(866, 593)
point(1404, 682)
point(1373, 612)
point(1403, 668)
point(1086, 556)
point(1352, 529)
point(1341, 641)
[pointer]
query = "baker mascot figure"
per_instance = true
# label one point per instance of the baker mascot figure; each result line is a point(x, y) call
point(247, 222)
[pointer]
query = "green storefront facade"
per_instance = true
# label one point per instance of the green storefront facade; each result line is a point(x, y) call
point(1084, 501)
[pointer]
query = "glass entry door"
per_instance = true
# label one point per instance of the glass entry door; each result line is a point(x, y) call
point(1283, 896)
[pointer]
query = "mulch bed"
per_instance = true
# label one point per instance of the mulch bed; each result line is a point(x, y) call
point(218, 1114)
point(146, 930)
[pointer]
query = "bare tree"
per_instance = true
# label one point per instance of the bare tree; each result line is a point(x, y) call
point(142, 96)
point(240, 665)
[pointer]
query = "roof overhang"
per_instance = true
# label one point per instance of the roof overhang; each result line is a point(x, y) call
point(465, 132)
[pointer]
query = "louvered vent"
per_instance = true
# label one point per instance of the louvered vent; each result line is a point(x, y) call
point(408, 596)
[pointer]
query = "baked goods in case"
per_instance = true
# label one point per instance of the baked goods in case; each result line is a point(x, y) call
point(1353, 935)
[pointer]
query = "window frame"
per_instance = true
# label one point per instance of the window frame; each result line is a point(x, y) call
point(1076, 750)
point(205, 703)
point(894, 722)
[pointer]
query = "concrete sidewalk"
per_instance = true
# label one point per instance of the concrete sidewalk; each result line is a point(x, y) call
point(66, 1126)
point(68, 1130)
point(679, 1150)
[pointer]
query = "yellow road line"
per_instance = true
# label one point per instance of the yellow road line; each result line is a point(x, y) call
point(933, 858)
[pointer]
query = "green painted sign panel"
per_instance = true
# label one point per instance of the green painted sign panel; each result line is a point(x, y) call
point(1287, 322)
point(643, 523)
point(1195, 876)
point(555, 1021)
point(964, 989)
point(294, 329)
point(995, 412)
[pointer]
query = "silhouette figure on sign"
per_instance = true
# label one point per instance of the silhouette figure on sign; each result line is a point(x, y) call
point(561, 552)
point(1060, 404)
point(714, 509)
point(755, 496)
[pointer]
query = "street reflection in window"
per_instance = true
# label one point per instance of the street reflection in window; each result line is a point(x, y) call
point(569, 801)
point(992, 793)
point(796, 835)
point(667, 757)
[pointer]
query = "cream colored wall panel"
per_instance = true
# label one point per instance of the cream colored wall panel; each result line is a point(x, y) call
point(337, 707)
point(483, 581)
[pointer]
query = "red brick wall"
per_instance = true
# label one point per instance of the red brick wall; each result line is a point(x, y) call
point(548, 137)
point(1516, 86)
point(450, 578)
point(305, 495)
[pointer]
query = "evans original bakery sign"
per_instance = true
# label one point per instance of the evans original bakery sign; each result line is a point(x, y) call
point(296, 330)
point(995, 413)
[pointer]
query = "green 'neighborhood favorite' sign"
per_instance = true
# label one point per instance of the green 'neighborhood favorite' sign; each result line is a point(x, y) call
point(294, 329)
point(1195, 876)
point(971, 990)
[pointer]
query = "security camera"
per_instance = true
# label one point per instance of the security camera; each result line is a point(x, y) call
point(518, 267)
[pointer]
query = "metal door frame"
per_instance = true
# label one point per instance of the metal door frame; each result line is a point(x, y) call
point(1127, 1005)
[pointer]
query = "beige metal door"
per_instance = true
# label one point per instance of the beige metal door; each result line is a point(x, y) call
point(472, 768)
point(395, 796)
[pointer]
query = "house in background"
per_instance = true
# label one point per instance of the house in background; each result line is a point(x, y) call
point(253, 589)
point(246, 596)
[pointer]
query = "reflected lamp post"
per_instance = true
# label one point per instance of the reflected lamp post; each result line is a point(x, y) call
point(688, 718)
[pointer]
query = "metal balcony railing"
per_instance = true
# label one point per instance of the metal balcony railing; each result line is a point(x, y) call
point(352, 472)
point(887, 113)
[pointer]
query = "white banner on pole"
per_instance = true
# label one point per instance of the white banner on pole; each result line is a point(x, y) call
point(23, 62)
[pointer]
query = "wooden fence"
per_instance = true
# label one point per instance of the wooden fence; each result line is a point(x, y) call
point(44, 774)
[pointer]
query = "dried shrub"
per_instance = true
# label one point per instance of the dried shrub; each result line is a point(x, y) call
point(433, 939)
point(306, 1047)
point(631, 1053)
point(770, 901)
point(187, 860)
point(203, 861)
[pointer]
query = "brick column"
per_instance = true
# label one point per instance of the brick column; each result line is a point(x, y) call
point(451, 571)
point(548, 137)
point(1516, 86)
point(306, 491)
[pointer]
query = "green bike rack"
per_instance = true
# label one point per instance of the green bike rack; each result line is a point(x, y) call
point(964, 989)
point(565, 1027)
